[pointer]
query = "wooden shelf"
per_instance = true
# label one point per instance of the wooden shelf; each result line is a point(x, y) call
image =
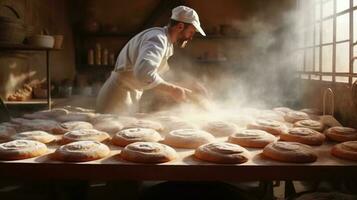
point(28, 102)
point(24, 47)
point(107, 34)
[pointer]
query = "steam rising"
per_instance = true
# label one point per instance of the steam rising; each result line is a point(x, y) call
point(263, 75)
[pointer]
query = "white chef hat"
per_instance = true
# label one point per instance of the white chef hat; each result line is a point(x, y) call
point(187, 15)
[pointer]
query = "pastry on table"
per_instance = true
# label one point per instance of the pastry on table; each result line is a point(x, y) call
point(85, 134)
point(270, 126)
point(81, 151)
point(311, 111)
point(294, 116)
point(54, 113)
point(21, 149)
point(345, 150)
point(148, 152)
point(110, 126)
point(141, 123)
point(131, 135)
point(188, 138)
point(282, 110)
point(252, 138)
point(123, 120)
point(303, 135)
point(40, 136)
point(222, 153)
point(178, 124)
point(311, 124)
point(76, 125)
point(76, 116)
point(42, 125)
point(6, 132)
point(292, 152)
point(220, 128)
point(341, 134)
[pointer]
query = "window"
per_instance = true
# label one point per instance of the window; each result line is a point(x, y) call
point(329, 48)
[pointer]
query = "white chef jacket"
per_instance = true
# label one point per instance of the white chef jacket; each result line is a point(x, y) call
point(138, 67)
point(144, 58)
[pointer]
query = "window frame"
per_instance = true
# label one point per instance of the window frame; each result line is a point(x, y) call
point(319, 22)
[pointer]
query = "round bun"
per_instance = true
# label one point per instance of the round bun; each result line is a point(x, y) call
point(131, 135)
point(6, 132)
point(85, 134)
point(252, 138)
point(220, 128)
point(188, 138)
point(145, 124)
point(290, 152)
point(303, 135)
point(270, 126)
point(311, 124)
point(49, 126)
point(76, 125)
point(222, 152)
point(40, 136)
point(81, 151)
point(108, 126)
point(282, 110)
point(21, 149)
point(294, 116)
point(341, 134)
point(76, 116)
point(345, 150)
point(148, 152)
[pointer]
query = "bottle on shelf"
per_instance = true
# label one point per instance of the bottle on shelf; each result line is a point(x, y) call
point(98, 54)
point(90, 57)
point(105, 57)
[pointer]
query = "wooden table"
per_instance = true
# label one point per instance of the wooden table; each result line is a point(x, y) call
point(186, 167)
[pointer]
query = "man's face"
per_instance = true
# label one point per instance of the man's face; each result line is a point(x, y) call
point(186, 35)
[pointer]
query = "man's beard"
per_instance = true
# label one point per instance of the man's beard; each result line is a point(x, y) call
point(182, 42)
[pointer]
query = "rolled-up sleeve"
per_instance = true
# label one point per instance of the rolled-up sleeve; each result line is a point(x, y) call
point(148, 61)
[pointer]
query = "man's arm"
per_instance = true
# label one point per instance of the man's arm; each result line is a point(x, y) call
point(176, 92)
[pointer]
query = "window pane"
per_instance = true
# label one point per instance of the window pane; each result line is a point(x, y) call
point(343, 27)
point(327, 31)
point(327, 58)
point(327, 8)
point(354, 79)
point(355, 25)
point(354, 2)
point(309, 34)
point(317, 59)
point(355, 61)
point(327, 78)
point(342, 57)
point(317, 11)
point(342, 5)
point(341, 79)
point(309, 60)
point(299, 60)
point(315, 77)
point(304, 76)
point(317, 34)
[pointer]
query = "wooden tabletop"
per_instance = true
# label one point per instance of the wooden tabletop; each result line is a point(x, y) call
point(186, 167)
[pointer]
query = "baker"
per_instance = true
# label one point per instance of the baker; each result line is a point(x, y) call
point(143, 60)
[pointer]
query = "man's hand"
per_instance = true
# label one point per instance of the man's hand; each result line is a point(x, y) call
point(178, 93)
